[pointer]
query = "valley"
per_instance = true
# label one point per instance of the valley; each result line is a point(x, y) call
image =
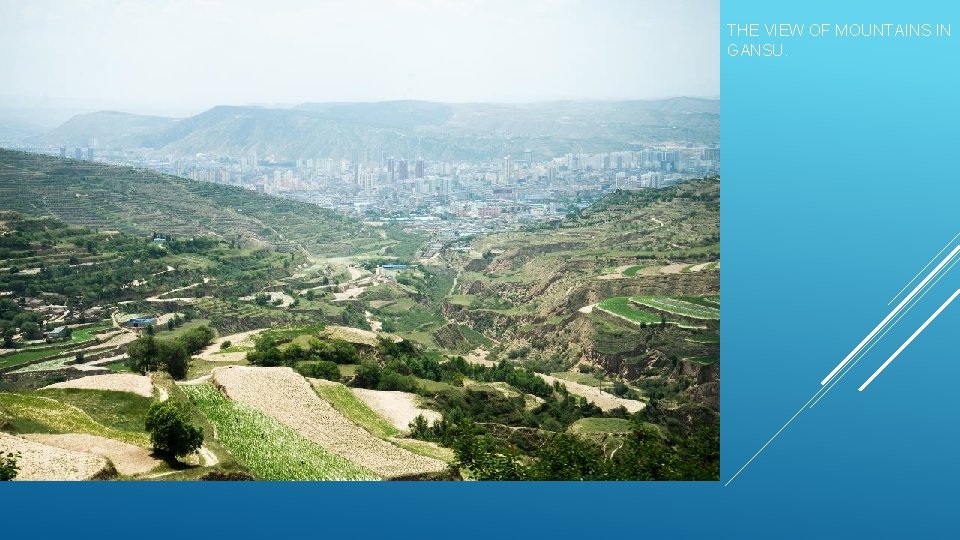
point(305, 344)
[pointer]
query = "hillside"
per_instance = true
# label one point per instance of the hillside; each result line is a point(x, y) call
point(140, 202)
point(595, 336)
point(436, 131)
point(628, 287)
point(107, 128)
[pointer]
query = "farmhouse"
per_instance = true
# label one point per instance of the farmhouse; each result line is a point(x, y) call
point(57, 333)
point(142, 321)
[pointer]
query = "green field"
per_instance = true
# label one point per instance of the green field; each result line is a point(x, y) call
point(621, 305)
point(266, 447)
point(37, 414)
point(632, 271)
point(589, 426)
point(677, 306)
point(357, 411)
point(122, 410)
point(79, 337)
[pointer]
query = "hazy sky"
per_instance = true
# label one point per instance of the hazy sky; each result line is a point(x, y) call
point(193, 54)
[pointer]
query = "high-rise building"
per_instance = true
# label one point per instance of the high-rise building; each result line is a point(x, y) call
point(507, 170)
point(392, 169)
point(78, 153)
point(63, 151)
point(90, 153)
point(528, 157)
point(419, 169)
point(404, 173)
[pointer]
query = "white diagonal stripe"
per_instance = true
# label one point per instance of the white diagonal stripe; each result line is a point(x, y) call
point(894, 323)
point(910, 339)
point(893, 313)
point(924, 268)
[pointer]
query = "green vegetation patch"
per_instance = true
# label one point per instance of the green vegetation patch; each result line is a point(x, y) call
point(677, 306)
point(589, 426)
point(121, 410)
point(38, 414)
point(266, 447)
point(357, 411)
point(622, 306)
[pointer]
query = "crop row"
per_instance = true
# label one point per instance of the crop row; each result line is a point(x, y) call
point(269, 449)
point(677, 306)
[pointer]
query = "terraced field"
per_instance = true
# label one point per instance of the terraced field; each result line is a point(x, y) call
point(270, 449)
point(682, 307)
point(37, 414)
point(623, 307)
point(287, 397)
point(40, 461)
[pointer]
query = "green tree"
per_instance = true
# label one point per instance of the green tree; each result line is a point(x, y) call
point(8, 466)
point(324, 369)
point(420, 428)
point(173, 357)
point(197, 338)
point(148, 353)
point(31, 330)
point(170, 429)
point(142, 355)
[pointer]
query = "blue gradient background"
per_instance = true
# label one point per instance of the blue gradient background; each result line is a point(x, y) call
point(839, 184)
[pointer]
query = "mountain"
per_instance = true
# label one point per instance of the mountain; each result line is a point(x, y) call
point(436, 131)
point(107, 128)
point(140, 202)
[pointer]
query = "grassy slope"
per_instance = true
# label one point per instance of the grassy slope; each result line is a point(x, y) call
point(24, 413)
point(267, 448)
point(139, 201)
point(357, 411)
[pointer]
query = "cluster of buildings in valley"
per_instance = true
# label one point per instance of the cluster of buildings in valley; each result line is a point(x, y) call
point(447, 199)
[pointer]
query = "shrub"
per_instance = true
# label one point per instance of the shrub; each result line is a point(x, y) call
point(170, 429)
point(8, 466)
point(225, 345)
point(197, 338)
point(323, 369)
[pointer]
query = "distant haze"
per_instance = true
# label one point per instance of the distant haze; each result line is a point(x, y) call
point(189, 55)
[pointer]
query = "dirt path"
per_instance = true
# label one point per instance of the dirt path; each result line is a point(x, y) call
point(587, 309)
point(375, 325)
point(160, 297)
point(596, 396)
